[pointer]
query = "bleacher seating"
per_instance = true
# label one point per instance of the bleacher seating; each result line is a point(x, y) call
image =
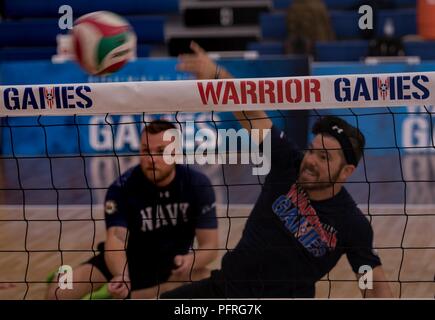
point(342, 4)
point(404, 21)
point(281, 4)
point(26, 53)
point(347, 50)
point(349, 45)
point(345, 24)
point(273, 25)
point(405, 3)
point(149, 29)
point(267, 47)
point(346, 4)
point(32, 9)
point(46, 53)
point(223, 13)
point(218, 25)
point(30, 28)
point(42, 32)
point(424, 49)
point(30, 33)
point(332, 4)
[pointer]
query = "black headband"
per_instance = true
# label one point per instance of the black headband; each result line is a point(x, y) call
point(338, 133)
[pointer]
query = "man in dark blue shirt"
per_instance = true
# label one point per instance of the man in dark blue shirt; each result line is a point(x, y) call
point(304, 219)
point(153, 212)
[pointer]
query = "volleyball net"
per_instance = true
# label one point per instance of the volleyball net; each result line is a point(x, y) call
point(63, 145)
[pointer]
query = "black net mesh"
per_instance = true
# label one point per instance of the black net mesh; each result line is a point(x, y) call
point(52, 211)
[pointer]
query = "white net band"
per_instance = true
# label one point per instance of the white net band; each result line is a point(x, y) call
point(293, 93)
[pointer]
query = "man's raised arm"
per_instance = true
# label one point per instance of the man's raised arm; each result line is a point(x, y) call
point(203, 67)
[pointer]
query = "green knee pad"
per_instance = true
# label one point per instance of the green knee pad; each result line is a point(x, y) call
point(50, 277)
point(101, 293)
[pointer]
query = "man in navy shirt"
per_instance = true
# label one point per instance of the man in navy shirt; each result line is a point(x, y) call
point(153, 212)
point(304, 219)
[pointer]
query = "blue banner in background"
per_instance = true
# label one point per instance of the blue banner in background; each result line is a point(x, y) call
point(387, 130)
point(49, 135)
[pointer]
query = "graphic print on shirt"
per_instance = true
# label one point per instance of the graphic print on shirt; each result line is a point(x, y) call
point(163, 215)
point(301, 219)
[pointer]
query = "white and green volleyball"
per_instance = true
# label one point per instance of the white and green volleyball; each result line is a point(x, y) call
point(103, 42)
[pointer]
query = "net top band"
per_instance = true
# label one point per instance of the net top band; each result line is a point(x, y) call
point(292, 93)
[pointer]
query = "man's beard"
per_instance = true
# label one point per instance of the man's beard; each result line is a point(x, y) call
point(316, 184)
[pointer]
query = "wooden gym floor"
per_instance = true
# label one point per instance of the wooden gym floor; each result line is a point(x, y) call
point(43, 229)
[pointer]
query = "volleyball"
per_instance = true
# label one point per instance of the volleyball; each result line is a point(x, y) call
point(103, 42)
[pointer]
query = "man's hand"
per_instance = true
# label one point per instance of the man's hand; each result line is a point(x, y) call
point(381, 288)
point(183, 269)
point(119, 287)
point(198, 63)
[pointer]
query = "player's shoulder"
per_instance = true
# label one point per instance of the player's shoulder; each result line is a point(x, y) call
point(126, 178)
point(355, 216)
point(350, 207)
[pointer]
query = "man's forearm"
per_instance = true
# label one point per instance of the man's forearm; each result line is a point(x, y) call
point(248, 119)
point(380, 290)
point(116, 262)
point(115, 251)
point(203, 67)
point(203, 257)
point(256, 119)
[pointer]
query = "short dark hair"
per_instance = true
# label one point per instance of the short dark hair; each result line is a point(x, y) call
point(157, 126)
point(355, 136)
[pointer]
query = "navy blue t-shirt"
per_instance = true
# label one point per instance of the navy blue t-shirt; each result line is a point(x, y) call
point(161, 222)
point(290, 242)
